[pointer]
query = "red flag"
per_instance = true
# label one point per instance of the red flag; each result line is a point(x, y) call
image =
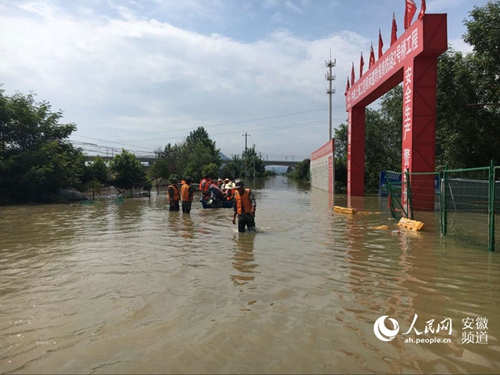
point(352, 75)
point(361, 65)
point(347, 86)
point(394, 31)
point(380, 44)
point(410, 10)
point(422, 10)
point(372, 57)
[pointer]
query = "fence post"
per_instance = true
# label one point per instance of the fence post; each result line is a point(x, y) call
point(444, 210)
point(491, 208)
point(409, 207)
point(389, 195)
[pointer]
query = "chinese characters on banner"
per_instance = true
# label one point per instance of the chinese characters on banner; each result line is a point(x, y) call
point(386, 66)
point(407, 128)
point(349, 141)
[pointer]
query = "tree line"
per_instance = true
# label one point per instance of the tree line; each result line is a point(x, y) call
point(198, 157)
point(37, 159)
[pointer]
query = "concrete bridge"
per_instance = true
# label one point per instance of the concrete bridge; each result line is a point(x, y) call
point(150, 161)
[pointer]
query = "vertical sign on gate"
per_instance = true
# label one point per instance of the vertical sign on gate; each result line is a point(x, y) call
point(407, 130)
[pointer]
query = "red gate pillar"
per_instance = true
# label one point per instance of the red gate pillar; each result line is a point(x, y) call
point(356, 152)
point(419, 130)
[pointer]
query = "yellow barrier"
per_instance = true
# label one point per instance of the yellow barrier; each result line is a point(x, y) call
point(383, 227)
point(411, 224)
point(344, 210)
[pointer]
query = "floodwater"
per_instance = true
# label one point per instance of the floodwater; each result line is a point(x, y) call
point(133, 288)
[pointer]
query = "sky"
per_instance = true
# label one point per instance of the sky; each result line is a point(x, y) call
point(140, 74)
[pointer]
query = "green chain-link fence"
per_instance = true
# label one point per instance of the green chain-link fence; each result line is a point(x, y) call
point(468, 201)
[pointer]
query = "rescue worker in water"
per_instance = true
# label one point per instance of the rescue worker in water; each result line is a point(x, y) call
point(187, 192)
point(173, 195)
point(244, 207)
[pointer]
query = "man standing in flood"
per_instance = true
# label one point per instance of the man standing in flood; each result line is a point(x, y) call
point(187, 193)
point(173, 195)
point(244, 207)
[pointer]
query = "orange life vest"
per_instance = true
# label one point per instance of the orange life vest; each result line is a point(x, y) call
point(176, 192)
point(204, 185)
point(185, 196)
point(243, 202)
point(201, 184)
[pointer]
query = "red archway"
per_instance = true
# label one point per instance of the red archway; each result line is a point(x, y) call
point(412, 59)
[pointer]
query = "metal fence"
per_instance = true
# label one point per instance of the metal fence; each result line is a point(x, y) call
point(468, 201)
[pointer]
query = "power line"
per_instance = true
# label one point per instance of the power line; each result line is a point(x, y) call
point(104, 140)
point(234, 122)
point(190, 128)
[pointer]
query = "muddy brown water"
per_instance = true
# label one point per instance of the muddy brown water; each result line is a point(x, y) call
point(133, 288)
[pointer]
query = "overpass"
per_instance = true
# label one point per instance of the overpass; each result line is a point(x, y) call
point(149, 161)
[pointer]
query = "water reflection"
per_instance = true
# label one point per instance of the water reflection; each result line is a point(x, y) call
point(173, 222)
point(187, 226)
point(244, 259)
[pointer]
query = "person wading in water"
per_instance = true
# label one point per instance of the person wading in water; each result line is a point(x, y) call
point(187, 193)
point(173, 195)
point(244, 207)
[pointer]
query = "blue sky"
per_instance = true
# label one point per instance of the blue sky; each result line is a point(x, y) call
point(139, 74)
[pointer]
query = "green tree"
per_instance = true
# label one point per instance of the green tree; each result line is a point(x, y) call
point(382, 141)
point(97, 170)
point(211, 170)
point(176, 158)
point(483, 33)
point(96, 175)
point(468, 131)
point(252, 164)
point(159, 169)
point(340, 136)
point(383, 137)
point(234, 168)
point(36, 161)
point(200, 137)
point(198, 160)
point(128, 170)
point(302, 171)
point(462, 136)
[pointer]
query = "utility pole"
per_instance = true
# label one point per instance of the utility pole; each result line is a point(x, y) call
point(330, 77)
point(245, 153)
point(245, 135)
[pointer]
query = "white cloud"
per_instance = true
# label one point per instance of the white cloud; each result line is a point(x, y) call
point(460, 45)
point(142, 80)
